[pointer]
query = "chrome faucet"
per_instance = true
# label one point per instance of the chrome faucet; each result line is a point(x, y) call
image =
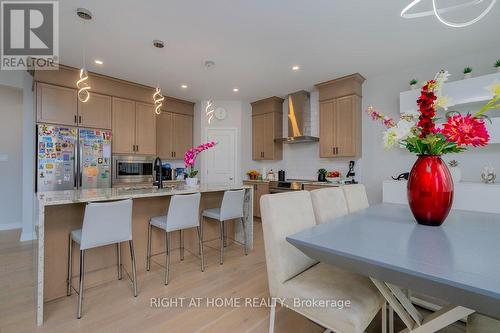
point(158, 167)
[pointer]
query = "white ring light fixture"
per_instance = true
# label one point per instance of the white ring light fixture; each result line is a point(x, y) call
point(437, 12)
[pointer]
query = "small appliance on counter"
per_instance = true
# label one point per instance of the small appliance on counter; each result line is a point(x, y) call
point(179, 172)
point(350, 174)
point(166, 171)
point(281, 175)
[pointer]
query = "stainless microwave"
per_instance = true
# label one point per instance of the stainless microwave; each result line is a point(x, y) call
point(132, 169)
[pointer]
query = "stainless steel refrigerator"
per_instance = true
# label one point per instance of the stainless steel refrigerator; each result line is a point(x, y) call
point(72, 158)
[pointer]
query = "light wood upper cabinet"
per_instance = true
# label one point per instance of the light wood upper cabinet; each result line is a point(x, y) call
point(145, 129)
point(56, 105)
point(174, 135)
point(182, 134)
point(164, 135)
point(340, 117)
point(96, 112)
point(267, 125)
point(340, 127)
point(123, 126)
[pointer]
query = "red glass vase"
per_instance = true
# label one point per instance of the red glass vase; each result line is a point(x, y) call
point(430, 190)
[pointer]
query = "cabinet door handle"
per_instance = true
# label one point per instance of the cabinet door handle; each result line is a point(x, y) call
point(80, 119)
point(76, 122)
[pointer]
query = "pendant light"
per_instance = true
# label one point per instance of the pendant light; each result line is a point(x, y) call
point(157, 96)
point(437, 12)
point(209, 110)
point(82, 83)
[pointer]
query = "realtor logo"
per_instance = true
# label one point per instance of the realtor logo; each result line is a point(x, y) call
point(30, 35)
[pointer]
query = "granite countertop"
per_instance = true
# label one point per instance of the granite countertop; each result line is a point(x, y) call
point(104, 194)
point(256, 181)
point(325, 184)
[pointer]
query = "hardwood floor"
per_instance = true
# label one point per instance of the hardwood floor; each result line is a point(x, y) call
point(111, 307)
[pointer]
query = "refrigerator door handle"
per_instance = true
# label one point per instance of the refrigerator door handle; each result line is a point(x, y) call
point(80, 158)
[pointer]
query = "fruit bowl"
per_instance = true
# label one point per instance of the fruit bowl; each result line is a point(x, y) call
point(333, 179)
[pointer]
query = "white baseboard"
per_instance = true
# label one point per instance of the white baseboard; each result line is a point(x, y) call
point(10, 226)
point(27, 236)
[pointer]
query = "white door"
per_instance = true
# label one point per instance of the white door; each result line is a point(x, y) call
point(221, 160)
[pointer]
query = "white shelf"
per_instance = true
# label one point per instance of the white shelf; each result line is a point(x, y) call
point(461, 92)
point(472, 196)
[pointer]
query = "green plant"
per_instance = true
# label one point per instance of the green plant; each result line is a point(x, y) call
point(467, 70)
point(413, 81)
point(322, 171)
point(497, 63)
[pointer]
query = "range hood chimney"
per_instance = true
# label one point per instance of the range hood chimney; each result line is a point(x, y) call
point(299, 119)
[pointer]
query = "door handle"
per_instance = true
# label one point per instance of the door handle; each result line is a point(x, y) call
point(80, 119)
point(76, 122)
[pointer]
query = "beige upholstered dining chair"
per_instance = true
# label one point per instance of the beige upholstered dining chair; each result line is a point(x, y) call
point(293, 275)
point(328, 203)
point(477, 323)
point(355, 196)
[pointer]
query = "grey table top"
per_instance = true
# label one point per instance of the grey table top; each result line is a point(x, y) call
point(458, 262)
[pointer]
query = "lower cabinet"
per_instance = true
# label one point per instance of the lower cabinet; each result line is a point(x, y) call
point(311, 187)
point(259, 189)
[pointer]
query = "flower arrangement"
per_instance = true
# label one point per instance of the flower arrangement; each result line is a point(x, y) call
point(253, 174)
point(190, 157)
point(419, 133)
point(467, 70)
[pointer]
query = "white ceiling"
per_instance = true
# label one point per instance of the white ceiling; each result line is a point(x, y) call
point(254, 43)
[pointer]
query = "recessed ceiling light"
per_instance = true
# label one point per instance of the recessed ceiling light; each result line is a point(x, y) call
point(158, 43)
point(184, 86)
point(295, 68)
point(99, 62)
point(236, 89)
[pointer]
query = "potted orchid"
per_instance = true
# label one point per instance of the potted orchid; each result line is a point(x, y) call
point(190, 160)
point(430, 185)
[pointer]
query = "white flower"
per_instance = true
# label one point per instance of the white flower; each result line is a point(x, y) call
point(443, 102)
point(394, 135)
point(494, 88)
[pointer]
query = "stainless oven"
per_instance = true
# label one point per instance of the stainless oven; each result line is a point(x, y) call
point(132, 169)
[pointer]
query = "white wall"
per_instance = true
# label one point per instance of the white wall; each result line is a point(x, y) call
point(235, 116)
point(383, 92)
point(11, 115)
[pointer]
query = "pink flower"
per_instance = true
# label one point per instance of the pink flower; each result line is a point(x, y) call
point(191, 153)
point(466, 131)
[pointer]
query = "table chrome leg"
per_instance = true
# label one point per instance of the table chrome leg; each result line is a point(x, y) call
point(200, 239)
point(80, 289)
point(148, 258)
point(132, 257)
point(119, 256)
point(181, 246)
point(70, 264)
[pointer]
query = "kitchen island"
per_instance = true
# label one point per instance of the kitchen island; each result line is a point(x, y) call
point(59, 212)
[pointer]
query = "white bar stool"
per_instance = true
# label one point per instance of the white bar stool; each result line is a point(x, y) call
point(183, 213)
point(231, 208)
point(355, 196)
point(104, 223)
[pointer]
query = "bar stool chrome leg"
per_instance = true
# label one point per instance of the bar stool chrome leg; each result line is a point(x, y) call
point(70, 264)
point(221, 243)
point(243, 224)
point(132, 257)
point(200, 239)
point(80, 289)
point(148, 258)
point(181, 244)
point(225, 233)
point(167, 256)
point(119, 257)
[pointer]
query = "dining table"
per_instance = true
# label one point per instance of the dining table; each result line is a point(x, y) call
point(457, 262)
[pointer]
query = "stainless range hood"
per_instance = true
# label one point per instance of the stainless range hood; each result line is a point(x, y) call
point(299, 119)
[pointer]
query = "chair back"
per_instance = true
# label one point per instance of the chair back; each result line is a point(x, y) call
point(232, 205)
point(106, 223)
point(328, 203)
point(355, 196)
point(184, 211)
point(284, 214)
